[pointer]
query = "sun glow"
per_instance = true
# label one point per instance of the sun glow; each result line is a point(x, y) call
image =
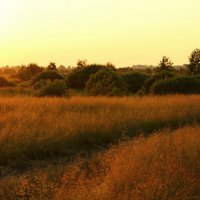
point(3, 13)
point(124, 33)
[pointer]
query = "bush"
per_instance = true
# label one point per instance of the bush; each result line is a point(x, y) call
point(48, 75)
point(106, 82)
point(150, 81)
point(40, 84)
point(5, 83)
point(135, 81)
point(27, 73)
point(34, 69)
point(24, 74)
point(184, 85)
point(81, 75)
point(48, 88)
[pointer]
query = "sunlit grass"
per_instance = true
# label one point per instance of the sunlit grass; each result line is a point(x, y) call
point(42, 128)
point(165, 165)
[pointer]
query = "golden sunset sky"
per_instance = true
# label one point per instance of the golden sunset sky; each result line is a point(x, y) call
point(124, 32)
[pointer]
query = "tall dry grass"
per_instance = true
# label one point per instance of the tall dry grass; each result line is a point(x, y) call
point(164, 166)
point(43, 128)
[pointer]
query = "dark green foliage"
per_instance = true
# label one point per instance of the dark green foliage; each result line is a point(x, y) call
point(150, 81)
point(48, 88)
point(50, 83)
point(40, 84)
point(34, 69)
point(106, 83)
point(111, 66)
point(82, 63)
point(5, 83)
point(194, 65)
point(165, 64)
point(48, 75)
point(80, 75)
point(51, 66)
point(135, 80)
point(183, 85)
point(26, 73)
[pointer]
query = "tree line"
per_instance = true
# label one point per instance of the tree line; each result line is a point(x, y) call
point(106, 80)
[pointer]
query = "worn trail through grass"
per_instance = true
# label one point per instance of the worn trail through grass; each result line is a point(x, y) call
point(34, 129)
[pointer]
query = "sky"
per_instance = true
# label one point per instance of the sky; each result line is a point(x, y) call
point(125, 33)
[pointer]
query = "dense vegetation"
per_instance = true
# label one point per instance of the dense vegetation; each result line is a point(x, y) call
point(5, 83)
point(182, 85)
point(111, 134)
point(82, 148)
point(135, 80)
point(106, 83)
point(106, 80)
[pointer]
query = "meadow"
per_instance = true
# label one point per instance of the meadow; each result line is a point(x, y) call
point(100, 147)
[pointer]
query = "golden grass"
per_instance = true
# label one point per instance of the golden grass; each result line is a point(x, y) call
point(164, 166)
point(42, 128)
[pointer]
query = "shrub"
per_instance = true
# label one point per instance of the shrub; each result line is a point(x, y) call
point(40, 84)
point(5, 83)
point(106, 82)
point(184, 85)
point(135, 81)
point(48, 75)
point(25, 84)
point(48, 88)
point(81, 75)
point(26, 73)
point(34, 69)
point(150, 81)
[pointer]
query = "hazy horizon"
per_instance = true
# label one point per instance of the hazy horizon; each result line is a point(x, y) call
point(125, 33)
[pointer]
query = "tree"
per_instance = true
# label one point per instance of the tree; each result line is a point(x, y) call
point(24, 73)
point(150, 81)
point(34, 69)
point(110, 66)
point(52, 66)
point(135, 80)
point(80, 75)
point(165, 64)
point(194, 65)
point(82, 63)
point(106, 83)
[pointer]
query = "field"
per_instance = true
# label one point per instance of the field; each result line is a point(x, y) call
point(100, 148)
